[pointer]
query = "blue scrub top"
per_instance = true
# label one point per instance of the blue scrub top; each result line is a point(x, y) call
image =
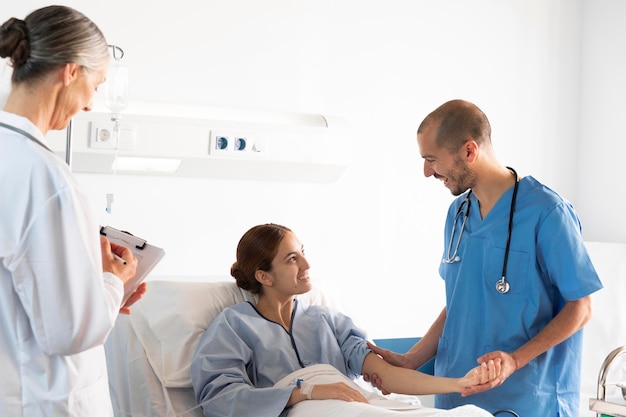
point(548, 265)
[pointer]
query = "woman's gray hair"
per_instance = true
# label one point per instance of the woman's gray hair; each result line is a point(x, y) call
point(49, 38)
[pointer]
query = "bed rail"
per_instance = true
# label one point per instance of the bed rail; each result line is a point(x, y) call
point(599, 404)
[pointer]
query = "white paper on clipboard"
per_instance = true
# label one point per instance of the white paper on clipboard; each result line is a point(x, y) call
point(147, 256)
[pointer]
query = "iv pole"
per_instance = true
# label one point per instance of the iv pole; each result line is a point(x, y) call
point(68, 144)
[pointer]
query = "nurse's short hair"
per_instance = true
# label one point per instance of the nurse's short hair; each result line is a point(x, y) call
point(255, 251)
point(456, 122)
point(49, 38)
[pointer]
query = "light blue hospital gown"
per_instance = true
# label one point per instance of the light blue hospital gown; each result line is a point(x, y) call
point(242, 351)
point(548, 265)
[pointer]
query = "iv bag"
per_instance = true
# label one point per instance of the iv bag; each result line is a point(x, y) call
point(116, 98)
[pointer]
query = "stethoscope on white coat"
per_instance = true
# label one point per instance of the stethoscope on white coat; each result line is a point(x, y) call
point(25, 134)
point(502, 285)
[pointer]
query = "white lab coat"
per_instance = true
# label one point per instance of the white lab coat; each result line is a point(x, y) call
point(56, 306)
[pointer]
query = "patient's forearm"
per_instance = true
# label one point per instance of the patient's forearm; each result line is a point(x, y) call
point(407, 381)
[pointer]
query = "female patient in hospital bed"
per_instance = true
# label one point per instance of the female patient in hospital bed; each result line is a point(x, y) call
point(272, 357)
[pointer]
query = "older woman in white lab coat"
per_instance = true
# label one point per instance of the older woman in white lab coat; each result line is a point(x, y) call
point(60, 284)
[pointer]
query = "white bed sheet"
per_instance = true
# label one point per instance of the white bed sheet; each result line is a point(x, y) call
point(135, 388)
point(378, 406)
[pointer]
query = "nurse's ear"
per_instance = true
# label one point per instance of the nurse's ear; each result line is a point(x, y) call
point(470, 150)
point(263, 277)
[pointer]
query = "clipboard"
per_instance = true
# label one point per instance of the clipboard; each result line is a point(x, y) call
point(147, 256)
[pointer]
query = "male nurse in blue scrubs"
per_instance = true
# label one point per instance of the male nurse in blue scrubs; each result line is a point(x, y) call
point(518, 277)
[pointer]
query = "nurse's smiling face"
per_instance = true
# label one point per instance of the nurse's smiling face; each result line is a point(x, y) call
point(449, 167)
point(290, 269)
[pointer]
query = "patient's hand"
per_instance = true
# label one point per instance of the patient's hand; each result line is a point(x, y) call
point(337, 391)
point(482, 375)
point(508, 366)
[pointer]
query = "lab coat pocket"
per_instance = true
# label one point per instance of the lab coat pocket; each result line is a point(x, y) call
point(92, 400)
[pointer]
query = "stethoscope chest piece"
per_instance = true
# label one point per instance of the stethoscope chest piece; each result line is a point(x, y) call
point(502, 286)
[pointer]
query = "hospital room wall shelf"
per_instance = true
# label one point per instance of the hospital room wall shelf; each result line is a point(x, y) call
point(222, 144)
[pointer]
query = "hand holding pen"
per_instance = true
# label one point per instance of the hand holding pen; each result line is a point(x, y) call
point(118, 260)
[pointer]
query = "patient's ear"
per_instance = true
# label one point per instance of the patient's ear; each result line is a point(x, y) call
point(263, 277)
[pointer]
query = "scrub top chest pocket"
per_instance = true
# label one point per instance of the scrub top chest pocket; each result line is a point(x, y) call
point(516, 270)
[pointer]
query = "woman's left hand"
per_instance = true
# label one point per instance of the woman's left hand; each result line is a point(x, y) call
point(139, 292)
point(483, 374)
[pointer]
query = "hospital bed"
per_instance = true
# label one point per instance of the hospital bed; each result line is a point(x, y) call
point(604, 361)
point(149, 352)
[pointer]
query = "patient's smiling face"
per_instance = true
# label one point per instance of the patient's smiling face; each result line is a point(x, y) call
point(290, 269)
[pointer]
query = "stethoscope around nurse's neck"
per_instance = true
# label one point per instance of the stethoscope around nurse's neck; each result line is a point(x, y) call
point(502, 285)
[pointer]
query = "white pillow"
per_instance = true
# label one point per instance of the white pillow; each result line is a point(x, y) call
point(172, 315)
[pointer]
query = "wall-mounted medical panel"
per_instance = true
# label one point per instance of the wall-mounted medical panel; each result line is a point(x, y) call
point(220, 144)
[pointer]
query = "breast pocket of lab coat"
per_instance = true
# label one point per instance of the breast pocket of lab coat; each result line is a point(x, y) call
point(516, 270)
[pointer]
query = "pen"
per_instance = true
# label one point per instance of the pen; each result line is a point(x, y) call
point(119, 258)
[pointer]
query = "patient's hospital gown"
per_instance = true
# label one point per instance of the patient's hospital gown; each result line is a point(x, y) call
point(548, 265)
point(242, 357)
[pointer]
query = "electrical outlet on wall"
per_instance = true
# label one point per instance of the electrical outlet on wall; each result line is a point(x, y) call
point(237, 144)
point(240, 144)
point(220, 143)
point(103, 136)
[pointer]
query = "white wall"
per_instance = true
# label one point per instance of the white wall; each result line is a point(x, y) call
point(598, 178)
point(374, 237)
point(603, 108)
